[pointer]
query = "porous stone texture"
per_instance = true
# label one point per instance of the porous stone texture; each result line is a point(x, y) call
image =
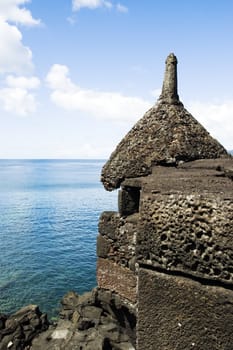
point(97, 320)
point(116, 278)
point(167, 134)
point(186, 221)
point(18, 330)
point(117, 238)
point(182, 314)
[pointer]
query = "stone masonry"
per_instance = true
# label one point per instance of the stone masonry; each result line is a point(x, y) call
point(168, 251)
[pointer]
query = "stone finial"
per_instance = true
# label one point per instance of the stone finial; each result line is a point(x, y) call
point(169, 92)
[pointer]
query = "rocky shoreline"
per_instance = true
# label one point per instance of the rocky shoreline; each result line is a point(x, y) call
point(95, 320)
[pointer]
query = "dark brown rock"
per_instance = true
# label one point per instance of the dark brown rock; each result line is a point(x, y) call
point(18, 330)
point(100, 321)
point(3, 319)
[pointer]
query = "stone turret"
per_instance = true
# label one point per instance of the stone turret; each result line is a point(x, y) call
point(167, 134)
point(168, 251)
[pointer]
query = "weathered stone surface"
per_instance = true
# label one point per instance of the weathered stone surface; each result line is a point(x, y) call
point(186, 222)
point(18, 330)
point(167, 134)
point(116, 278)
point(103, 246)
point(178, 313)
point(117, 238)
point(169, 91)
point(108, 223)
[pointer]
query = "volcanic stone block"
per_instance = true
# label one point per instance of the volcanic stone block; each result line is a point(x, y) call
point(186, 223)
point(103, 246)
point(108, 224)
point(116, 278)
point(179, 313)
point(117, 238)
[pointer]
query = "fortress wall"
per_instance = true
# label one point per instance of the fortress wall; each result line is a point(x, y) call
point(169, 252)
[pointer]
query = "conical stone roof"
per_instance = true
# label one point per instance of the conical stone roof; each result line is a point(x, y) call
point(166, 134)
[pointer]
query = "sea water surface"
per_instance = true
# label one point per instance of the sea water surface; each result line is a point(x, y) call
point(49, 211)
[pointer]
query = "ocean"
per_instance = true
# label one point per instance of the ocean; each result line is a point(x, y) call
point(49, 211)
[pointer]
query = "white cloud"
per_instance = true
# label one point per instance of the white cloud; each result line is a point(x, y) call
point(22, 82)
point(18, 101)
point(58, 79)
point(15, 56)
point(16, 97)
point(121, 8)
point(91, 4)
point(10, 10)
point(104, 105)
point(216, 118)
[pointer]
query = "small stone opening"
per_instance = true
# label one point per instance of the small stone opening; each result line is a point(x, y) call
point(128, 200)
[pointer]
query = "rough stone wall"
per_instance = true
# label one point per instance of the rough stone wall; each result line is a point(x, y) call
point(116, 245)
point(169, 252)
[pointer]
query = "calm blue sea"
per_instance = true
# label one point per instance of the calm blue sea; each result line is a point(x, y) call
point(49, 212)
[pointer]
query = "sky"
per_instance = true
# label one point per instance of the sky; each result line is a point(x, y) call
point(75, 75)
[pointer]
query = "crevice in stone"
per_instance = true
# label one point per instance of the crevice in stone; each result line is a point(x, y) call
point(178, 273)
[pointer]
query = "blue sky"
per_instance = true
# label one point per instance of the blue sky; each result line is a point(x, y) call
point(76, 75)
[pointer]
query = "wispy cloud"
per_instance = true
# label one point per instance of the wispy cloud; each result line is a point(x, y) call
point(91, 4)
point(100, 104)
point(122, 8)
point(94, 4)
